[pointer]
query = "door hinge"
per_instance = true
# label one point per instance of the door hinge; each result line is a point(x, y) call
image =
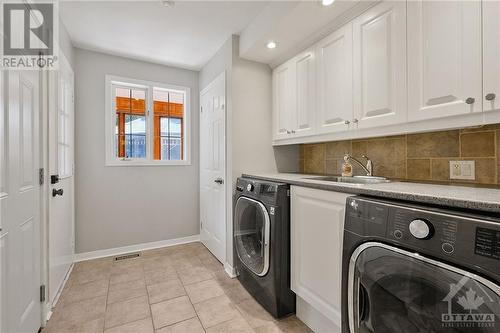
point(41, 176)
point(201, 109)
point(201, 224)
point(42, 293)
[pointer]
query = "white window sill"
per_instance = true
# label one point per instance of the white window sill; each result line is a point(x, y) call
point(135, 163)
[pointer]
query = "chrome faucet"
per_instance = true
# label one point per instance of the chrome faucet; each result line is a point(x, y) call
point(369, 164)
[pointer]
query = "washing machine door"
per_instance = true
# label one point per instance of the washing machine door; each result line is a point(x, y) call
point(251, 234)
point(391, 290)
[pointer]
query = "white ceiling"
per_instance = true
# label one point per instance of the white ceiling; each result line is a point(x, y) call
point(186, 35)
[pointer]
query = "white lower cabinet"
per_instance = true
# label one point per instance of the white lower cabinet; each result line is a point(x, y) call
point(317, 223)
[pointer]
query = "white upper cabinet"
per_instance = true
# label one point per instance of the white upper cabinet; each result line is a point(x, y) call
point(334, 59)
point(379, 68)
point(305, 68)
point(283, 100)
point(491, 55)
point(444, 58)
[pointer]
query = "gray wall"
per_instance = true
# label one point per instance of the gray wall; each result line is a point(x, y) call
point(120, 206)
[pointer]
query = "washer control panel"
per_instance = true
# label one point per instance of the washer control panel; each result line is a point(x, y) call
point(421, 228)
point(487, 243)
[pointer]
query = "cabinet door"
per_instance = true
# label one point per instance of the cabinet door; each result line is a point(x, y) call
point(444, 58)
point(284, 100)
point(334, 72)
point(317, 223)
point(305, 93)
point(379, 38)
point(491, 55)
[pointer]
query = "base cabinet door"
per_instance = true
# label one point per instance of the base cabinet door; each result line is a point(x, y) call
point(491, 55)
point(379, 42)
point(317, 222)
point(444, 58)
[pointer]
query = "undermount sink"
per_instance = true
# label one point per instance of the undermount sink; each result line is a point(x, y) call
point(353, 180)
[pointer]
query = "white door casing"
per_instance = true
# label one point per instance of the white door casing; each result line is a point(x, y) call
point(491, 55)
point(305, 69)
point(20, 202)
point(283, 100)
point(379, 53)
point(444, 58)
point(334, 59)
point(213, 167)
point(61, 161)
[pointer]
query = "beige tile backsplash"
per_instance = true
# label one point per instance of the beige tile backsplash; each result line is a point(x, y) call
point(420, 157)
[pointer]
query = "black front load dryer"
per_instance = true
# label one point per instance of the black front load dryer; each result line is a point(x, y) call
point(261, 243)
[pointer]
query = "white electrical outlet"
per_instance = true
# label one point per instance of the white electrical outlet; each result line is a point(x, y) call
point(463, 170)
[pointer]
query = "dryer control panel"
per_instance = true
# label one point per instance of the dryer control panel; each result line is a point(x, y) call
point(436, 232)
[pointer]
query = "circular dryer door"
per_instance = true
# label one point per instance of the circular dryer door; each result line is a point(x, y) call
point(392, 291)
point(251, 234)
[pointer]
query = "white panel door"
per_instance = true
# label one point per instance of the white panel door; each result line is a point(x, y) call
point(334, 72)
point(317, 226)
point(61, 205)
point(20, 203)
point(444, 58)
point(213, 167)
point(305, 69)
point(491, 55)
point(379, 43)
point(3, 199)
point(284, 101)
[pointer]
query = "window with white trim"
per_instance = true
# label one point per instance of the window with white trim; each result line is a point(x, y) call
point(147, 123)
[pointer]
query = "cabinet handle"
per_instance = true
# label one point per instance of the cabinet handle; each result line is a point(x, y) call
point(490, 96)
point(470, 100)
point(355, 120)
point(347, 122)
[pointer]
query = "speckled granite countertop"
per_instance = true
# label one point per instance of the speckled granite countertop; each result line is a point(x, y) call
point(485, 199)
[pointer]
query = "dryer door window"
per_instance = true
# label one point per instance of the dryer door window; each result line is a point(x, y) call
point(393, 291)
point(251, 234)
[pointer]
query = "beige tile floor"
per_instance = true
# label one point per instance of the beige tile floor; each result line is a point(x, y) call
point(178, 289)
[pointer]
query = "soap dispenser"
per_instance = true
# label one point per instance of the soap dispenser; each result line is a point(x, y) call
point(346, 167)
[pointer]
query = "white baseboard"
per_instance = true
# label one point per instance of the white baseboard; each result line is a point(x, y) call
point(134, 248)
point(230, 270)
point(61, 288)
point(314, 319)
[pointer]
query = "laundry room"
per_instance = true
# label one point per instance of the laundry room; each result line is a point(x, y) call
point(303, 166)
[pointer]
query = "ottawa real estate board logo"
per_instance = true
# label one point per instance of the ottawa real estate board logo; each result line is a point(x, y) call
point(30, 34)
point(470, 305)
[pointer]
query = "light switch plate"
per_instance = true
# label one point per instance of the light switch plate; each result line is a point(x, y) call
point(463, 170)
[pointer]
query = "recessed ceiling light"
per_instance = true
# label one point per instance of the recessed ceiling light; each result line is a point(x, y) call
point(168, 3)
point(327, 2)
point(271, 45)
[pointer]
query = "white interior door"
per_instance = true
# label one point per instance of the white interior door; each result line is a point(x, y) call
point(61, 188)
point(20, 202)
point(213, 167)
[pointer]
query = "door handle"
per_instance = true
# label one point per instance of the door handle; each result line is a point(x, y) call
point(219, 181)
point(57, 192)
